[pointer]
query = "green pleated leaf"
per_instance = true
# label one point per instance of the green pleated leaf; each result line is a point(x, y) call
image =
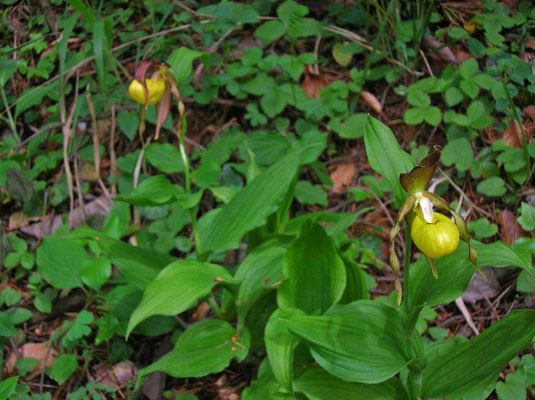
point(280, 346)
point(315, 273)
point(204, 348)
point(139, 265)
point(455, 271)
point(386, 157)
point(153, 191)
point(363, 341)
point(467, 364)
point(249, 208)
point(317, 384)
point(259, 272)
point(176, 288)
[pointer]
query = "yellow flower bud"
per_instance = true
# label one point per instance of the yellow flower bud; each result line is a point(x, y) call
point(436, 239)
point(156, 90)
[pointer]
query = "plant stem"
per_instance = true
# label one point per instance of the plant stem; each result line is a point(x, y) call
point(12, 123)
point(406, 262)
point(181, 132)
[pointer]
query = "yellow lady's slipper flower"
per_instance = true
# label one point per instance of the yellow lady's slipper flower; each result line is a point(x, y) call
point(437, 238)
point(156, 90)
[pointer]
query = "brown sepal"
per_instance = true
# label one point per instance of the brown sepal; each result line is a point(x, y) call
point(162, 111)
point(419, 177)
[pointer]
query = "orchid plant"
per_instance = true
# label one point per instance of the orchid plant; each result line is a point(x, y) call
point(433, 233)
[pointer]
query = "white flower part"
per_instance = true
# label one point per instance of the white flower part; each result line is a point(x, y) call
point(427, 209)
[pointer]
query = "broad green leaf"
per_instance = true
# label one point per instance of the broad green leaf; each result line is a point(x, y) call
point(317, 384)
point(481, 389)
point(455, 271)
point(61, 261)
point(63, 367)
point(7, 68)
point(7, 387)
point(414, 116)
point(356, 288)
point(204, 348)
point(181, 62)
point(176, 288)
point(484, 356)
point(453, 96)
point(165, 157)
point(354, 127)
point(128, 122)
point(273, 102)
point(341, 55)
point(458, 152)
point(280, 346)
point(259, 272)
point(139, 265)
point(307, 193)
point(432, 115)
point(153, 191)
point(492, 187)
point(249, 208)
point(363, 341)
point(527, 217)
point(468, 68)
point(315, 273)
point(269, 31)
point(7, 328)
point(386, 157)
point(96, 272)
point(26, 364)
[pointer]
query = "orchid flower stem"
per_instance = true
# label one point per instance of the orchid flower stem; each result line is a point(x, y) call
point(406, 262)
point(181, 132)
point(12, 123)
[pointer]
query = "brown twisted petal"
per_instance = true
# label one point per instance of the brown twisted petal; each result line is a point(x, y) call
point(419, 177)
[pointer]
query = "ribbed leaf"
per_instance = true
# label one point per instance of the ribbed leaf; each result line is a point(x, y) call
point(359, 342)
point(467, 364)
point(176, 288)
point(139, 265)
point(386, 157)
point(259, 272)
point(455, 271)
point(249, 208)
point(205, 348)
point(315, 273)
point(317, 384)
point(280, 346)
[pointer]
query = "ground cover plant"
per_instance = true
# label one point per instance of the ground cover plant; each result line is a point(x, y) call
point(267, 200)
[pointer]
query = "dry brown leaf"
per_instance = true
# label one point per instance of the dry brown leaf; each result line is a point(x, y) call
point(48, 225)
point(461, 55)
point(39, 351)
point(444, 53)
point(372, 101)
point(200, 311)
point(513, 134)
point(342, 177)
point(122, 372)
point(509, 228)
point(313, 83)
point(19, 219)
point(530, 111)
